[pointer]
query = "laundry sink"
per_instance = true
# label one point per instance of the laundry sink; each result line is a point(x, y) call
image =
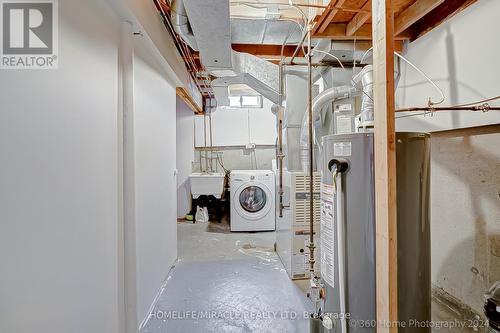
point(203, 183)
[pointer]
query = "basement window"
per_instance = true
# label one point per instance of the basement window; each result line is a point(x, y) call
point(245, 101)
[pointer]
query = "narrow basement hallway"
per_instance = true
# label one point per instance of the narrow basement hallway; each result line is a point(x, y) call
point(230, 283)
point(249, 166)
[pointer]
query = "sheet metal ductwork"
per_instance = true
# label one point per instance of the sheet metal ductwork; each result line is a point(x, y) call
point(221, 91)
point(327, 96)
point(365, 78)
point(264, 31)
point(181, 25)
point(211, 25)
point(210, 21)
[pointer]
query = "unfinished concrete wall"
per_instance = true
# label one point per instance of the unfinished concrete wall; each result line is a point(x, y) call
point(460, 63)
point(465, 216)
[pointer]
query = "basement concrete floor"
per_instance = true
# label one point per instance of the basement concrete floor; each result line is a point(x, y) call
point(239, 279)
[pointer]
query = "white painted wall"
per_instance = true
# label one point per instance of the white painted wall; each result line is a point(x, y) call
point(185, 156)
point(239, 126)
point(145, 18)
point(62, 250)
point(58, 182)
point(239, 159)
point(462, 58)
point(155, 181)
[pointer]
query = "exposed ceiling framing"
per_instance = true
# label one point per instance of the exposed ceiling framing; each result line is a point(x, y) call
point(413, 18)
point(346, 20)
point(440, 14)
point(337, 20)
point(338, 31)
point(328, 14)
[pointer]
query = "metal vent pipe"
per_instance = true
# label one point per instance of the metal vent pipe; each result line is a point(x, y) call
point(318, 103)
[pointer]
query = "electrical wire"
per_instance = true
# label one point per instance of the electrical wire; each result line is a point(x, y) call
point(427, 78)
point(365, 54)
point(266, 5)
point(430, 103)
point(329, 54)
point(285, 42)
point(290, 4)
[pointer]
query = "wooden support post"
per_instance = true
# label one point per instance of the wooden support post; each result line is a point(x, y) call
point(385, 165)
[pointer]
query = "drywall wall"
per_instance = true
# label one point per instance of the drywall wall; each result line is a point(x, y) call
point(460, 57)
point(58, 182)
point(465, 212)
point(64, 240)
point(232, 130)
point(237, 159)
point(238, 126)
point(185, 156)
point(155, 181)
point(145, 19)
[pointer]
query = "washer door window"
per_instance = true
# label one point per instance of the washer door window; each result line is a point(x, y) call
point(253, 199)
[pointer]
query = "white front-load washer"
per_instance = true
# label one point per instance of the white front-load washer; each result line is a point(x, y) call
point(252, 200)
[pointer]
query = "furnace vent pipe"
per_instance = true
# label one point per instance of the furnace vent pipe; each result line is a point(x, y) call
point(327, 96)
point(181, 24)
point(365, 77)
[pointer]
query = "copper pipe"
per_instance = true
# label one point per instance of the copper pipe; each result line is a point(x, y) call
point(280, 140)
point(311, 153)
point(482, 108)
point(184, 50)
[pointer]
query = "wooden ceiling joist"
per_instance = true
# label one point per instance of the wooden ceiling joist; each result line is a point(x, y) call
point(440, 14)
point(273, 52)
point(327, 17)
point(265, 51)
point(359, 19)
point(415, 12)
point(338, 31)
point(414, 18)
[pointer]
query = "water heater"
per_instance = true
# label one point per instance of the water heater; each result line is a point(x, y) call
point(348, 231)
